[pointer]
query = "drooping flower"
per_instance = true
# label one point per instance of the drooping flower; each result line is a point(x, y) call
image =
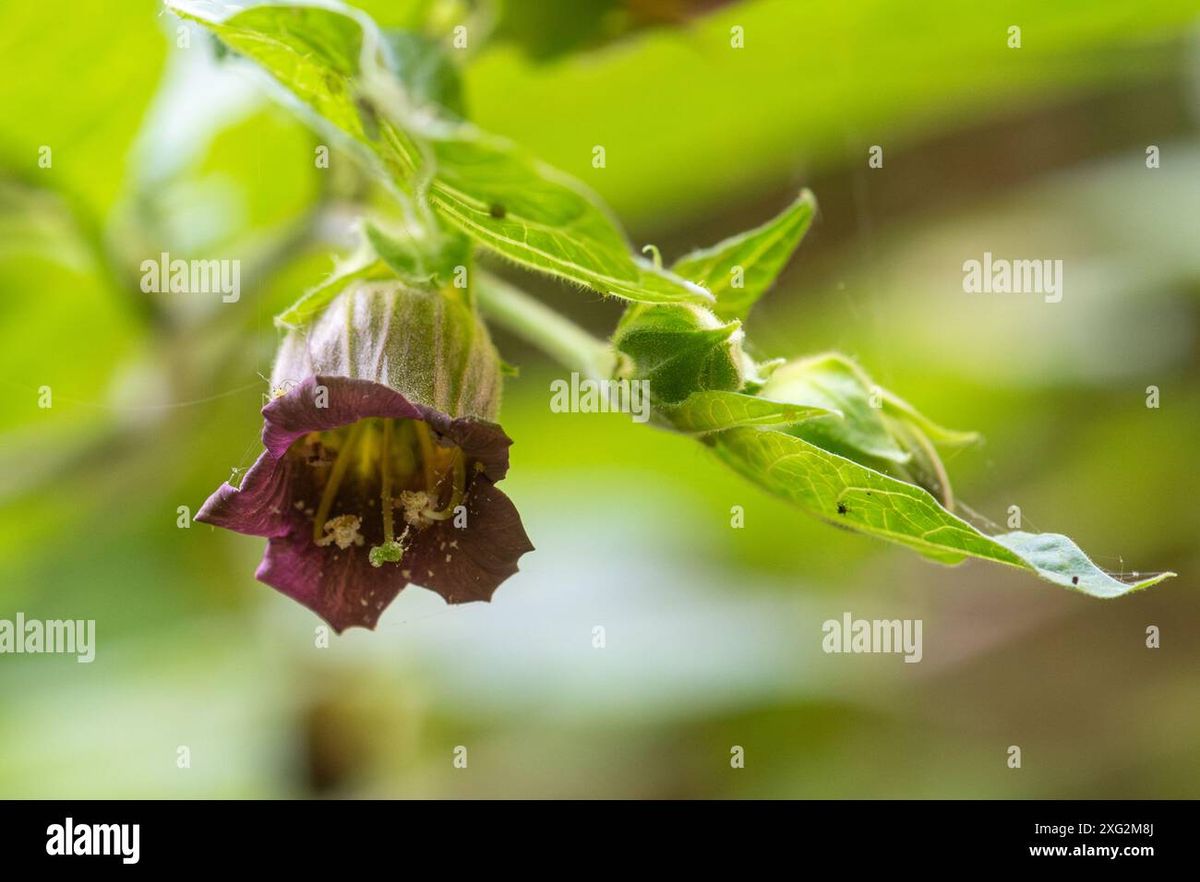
point(381, 459)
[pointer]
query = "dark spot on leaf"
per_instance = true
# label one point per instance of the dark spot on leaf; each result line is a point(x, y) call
point(1074, 580)
point(842, 508)
point(497, 211)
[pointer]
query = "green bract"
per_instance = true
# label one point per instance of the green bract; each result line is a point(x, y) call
point(740, 269)
point(680, 349)
point(873, 426)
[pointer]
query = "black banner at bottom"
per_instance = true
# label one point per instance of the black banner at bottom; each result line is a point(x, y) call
point(129, 836)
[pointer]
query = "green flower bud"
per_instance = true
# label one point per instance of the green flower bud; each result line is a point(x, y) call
point(681, 349)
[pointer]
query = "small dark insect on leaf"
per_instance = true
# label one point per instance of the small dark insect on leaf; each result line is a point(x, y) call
point(842, 508)
point(497, 211)
point(1074, 580)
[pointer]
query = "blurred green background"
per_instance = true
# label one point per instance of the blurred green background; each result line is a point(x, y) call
point(713, 634)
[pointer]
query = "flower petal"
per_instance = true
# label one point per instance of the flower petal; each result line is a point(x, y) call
point(339, 585)
point(484, 442)
point(469, 563)
point(318, 404)
point(260, 507)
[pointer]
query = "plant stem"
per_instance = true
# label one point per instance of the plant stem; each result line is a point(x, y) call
point(538, 324)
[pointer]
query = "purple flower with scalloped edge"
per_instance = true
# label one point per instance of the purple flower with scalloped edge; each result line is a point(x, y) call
point(381, 459)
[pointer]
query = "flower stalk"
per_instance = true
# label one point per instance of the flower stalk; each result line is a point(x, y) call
point(537, 324)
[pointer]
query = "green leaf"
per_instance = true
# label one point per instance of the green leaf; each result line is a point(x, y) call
point(898, 409)
point(878, 429)
point(77, 97)
point(681, 349)
point(338, 64)
point(704, 412)
point(363, 265)
point(420, 257)
point(532, 214)
point(740, 269)
point(313, 51)
point(844, 492)
point(431, 77)
point(834, 382)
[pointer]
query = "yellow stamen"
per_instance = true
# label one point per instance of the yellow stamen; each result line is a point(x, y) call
point(390, 550)
point(456, 495)
point(329, 494)
point(426, 442)
point(404, 458)
point(385, 497)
